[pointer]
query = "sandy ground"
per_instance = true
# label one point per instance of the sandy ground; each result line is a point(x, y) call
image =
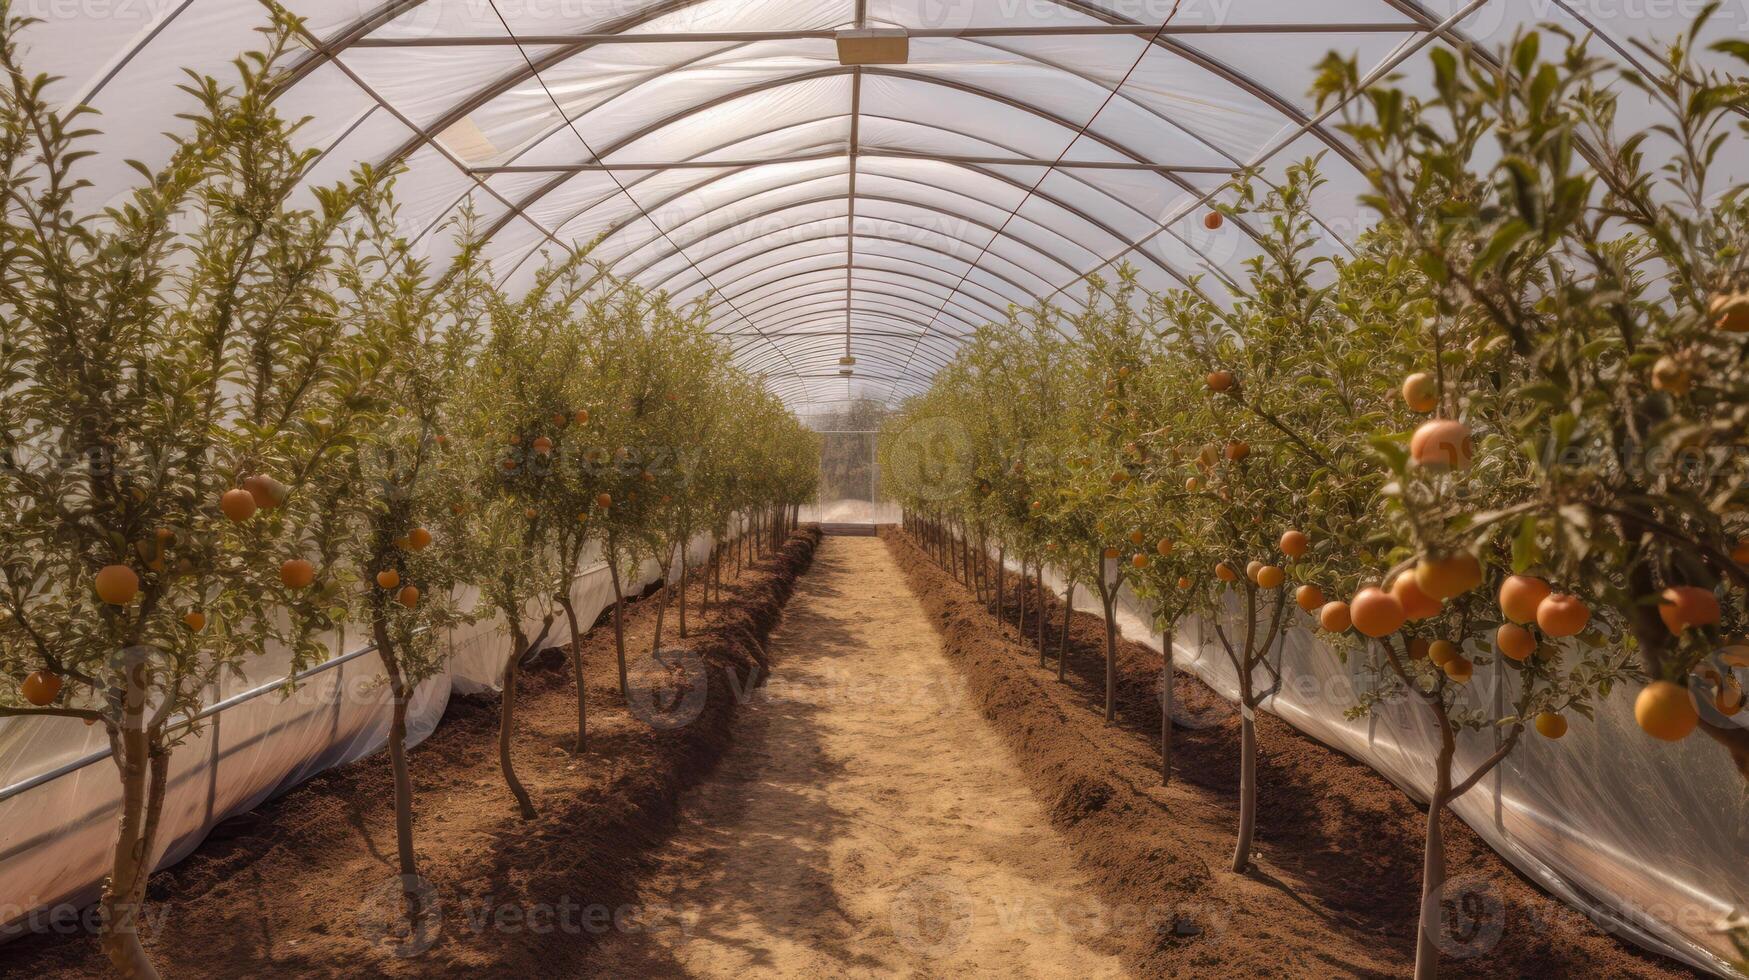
point(867, 821)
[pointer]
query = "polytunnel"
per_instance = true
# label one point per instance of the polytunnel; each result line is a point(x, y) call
point(850, 191)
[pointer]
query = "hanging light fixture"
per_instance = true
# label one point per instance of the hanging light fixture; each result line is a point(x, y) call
point(874, 46)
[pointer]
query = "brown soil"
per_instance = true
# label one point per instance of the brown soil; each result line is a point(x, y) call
point(1335, 885)
point(305, 886)
point(867, 822)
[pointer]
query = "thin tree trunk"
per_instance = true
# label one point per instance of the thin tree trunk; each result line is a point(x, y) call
point(131, 862)
point(577, 672)
point(1110, 599)
point(1043, 612)
point(684, 578)
point(1433, 864)
point(1020, 595)
point(1001, 581)
point(1063, 639)
point(619, 622)
point(1247, 791)
point(507, 719)
point(1166, 693)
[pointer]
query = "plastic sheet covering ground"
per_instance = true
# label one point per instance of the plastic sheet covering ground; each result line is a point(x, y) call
point(1646, 839)
point(57, 822)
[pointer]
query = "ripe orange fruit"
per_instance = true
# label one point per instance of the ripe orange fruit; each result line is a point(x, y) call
point(1213, 221)
point(1377, 613)
point(1420, 392)
point(1139, 560)
point(1309, 597)
point(1252, 568)
point(1334, 617)
point(509, 465)
point(1164, 547)
point(297, 573)
point(1184, 581)
point(267, 491)
point(1442, 652)
point(530, 513)
point(458, 509)
point(1562, 615)
point(1666, 711)
point(418, 539)
point(1442, 444)
point(543, 445)
point(1515, 641)
point(388, 578)
point(1219, 381)
point(1237, 450)
point(1271, 576)
point(1448, 578)
point(1520, 595)
point(1740, 554)
point(41, 688)
point(582, 416)
point(647, 476)
point(1193, 484)
point(239, 505)
point(1551, 725)
point(116, 584)
point(1684, 606)
point(1225, 573)
point(603, 500)
point(1136, 537)
point(1417, 605)
point(1731, 312)
point(1459, 669)
point(195, 620)
point(1111, 554)
point(1295, 544)
point(1038, 505)
point(409, 596)
point(514, 440)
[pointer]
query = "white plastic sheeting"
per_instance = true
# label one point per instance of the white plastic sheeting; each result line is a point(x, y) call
point(882, 212)
point(56, 836)
point(1645, 838)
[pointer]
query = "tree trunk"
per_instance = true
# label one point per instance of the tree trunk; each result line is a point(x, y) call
point(132, 859)
point(684, 577)
point(619, 622)
point(1166, 692)
point(1042, 611)
point(1063, 639)
point(507, 719)
point(1020, 594)
point(1433, 867)
point(1247, 791)
point(577, 672)
point(1110, 598)
point(1001, 581)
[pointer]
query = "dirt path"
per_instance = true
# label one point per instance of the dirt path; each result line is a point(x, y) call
point(867, 821)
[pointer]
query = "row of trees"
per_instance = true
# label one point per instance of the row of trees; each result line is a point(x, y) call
point(1506, 427)
point(233, 424)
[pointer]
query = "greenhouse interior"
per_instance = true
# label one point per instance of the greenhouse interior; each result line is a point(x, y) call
point(864, 488)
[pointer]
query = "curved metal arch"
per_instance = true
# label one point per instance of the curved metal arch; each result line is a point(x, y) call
point(892, 298)
point(802, 318)
point(839, 268)
point(798, 306)
point(1024, 291)
point(785, 293)
point(1029, 245)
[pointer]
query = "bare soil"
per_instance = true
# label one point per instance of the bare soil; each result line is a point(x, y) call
point(867, 822)
point(1335, 884)
point(306, 885)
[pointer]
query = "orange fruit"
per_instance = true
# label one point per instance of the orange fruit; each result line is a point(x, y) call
point(647, 476)
point(1136, 537)
point(1213, 221)
point(41, 688)
point(1448, 578)
point(1295, 544)
point(195, 620)
point(1334, 617)
point(514, 440)
point(1219, 381)
point(1668, 375)
point(1515, 641)
point(1459, 669)
point(1377, 613)
point(1238, 450)
point(530, 513)
point(1163, 547)
point(418, 539)
point(1139, 560)
point(1225, 573)
point(1420, 392)
point(1562, 615)
point(239, 505)
point(297, 573)
point(1730, 312)
point(1271, 576)
point(1184, 581)
point(1520, 595)
point(1684, 606)
point(267, 491)
point(1442, 444)
point(603, 500)
point(1112, 553)
point(1252, 568)
point(582, 416)
point(1740, 554)
point(1417, 605)
point(1551, 725)
point(1442, 652)
point(116, 584)
point(1038, 505)
point(388, 578)
point(1309, 597)
point(1193, 484)
point(543, 445)
point(1666, 711)
point(509, 465)
point(409, 596)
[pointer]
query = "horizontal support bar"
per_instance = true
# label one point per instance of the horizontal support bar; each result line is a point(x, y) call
point(683, 37)
point(863, 153)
